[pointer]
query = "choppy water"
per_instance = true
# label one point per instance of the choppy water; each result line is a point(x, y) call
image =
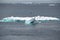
point(19, 31)
point(18, 10)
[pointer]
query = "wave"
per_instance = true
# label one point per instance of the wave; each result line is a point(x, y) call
point(29, 20)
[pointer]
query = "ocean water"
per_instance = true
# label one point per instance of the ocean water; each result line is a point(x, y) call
point(20, 31)
point(17, 31)
point(18, 10)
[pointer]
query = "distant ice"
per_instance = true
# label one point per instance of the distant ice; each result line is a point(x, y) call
point(29, 20)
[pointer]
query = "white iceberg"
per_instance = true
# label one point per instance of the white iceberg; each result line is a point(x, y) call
point(28, 20)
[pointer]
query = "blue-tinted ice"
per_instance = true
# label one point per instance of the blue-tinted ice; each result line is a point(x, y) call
point(29, 20)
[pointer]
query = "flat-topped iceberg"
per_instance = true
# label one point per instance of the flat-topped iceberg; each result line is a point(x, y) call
point(46, 18)
point(28, 20)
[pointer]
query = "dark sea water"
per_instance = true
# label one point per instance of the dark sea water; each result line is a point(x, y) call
point(20, 31)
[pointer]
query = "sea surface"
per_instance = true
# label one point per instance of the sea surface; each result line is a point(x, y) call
point(21, 31)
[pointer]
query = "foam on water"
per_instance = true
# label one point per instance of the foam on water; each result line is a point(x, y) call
point(29, 20)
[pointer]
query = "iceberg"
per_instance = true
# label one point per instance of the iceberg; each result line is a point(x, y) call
point(29, 20)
